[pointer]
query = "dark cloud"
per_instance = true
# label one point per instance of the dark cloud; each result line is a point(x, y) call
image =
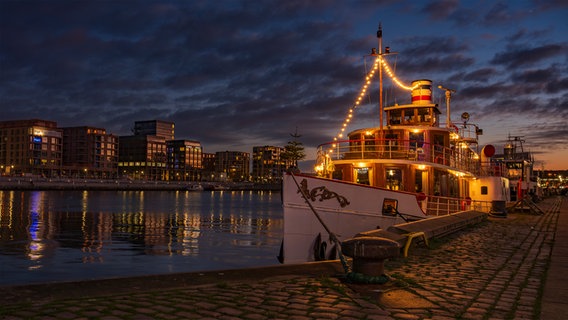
point(515, 57)
point(527, 35)
point(535, 75)
point(500, 13)
point(545, 5)
point(480, 75)
point(440, 9)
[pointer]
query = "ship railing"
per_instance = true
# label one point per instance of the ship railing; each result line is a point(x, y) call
point(468, 132)
point(395, 149)
point(439, 206)
point(495, 169)
point(482, 206)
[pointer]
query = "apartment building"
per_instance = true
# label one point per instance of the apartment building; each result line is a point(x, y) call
point(32, 147)
point(142, 157)
point(185, 160)
point(89, 152)
point(234, 164)
point(159, 128)
point(267, 164)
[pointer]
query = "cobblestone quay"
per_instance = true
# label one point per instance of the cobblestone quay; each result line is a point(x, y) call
point(505, 268)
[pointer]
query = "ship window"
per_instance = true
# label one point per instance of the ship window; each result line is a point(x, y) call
point(438, 140)
point(392, 141)
point(337, 174)
point(484, 190)
point(416, 140)
point(424, 115)
point(394, 179)
point(390, 207)
point(409, 116)
point(395, 116)
point(418, 178)
point(362, 175)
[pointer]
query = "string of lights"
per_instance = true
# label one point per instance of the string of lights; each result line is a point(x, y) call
point(393, 77)
point(363, 92)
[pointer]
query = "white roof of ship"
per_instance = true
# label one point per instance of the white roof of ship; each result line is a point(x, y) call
point(408, 106)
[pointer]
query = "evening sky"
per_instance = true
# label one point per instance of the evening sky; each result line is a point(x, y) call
point(238, 74)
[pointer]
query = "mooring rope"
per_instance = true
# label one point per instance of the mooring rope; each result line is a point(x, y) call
point(349, 274)
point(332, 235)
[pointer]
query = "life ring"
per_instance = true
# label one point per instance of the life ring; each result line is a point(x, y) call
point(420, 197)
point(456, 128)
point(465, 203)
point(320, 247)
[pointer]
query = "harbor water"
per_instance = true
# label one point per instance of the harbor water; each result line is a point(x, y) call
point(57, 236)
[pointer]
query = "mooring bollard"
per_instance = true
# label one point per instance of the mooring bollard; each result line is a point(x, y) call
point(369, 253)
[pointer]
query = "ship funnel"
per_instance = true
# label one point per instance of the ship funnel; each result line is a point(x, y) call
point(486, 153)
point(422, 92)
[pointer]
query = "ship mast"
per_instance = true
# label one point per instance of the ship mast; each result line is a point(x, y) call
point(380, 38)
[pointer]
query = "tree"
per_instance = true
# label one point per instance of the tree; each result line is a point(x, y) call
point(294, 150)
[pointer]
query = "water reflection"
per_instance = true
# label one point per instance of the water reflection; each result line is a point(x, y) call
point(62, 235)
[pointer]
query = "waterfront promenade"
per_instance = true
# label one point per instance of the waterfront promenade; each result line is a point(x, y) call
point(505, 268)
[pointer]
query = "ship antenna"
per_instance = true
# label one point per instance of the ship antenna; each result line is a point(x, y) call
point(448, 98)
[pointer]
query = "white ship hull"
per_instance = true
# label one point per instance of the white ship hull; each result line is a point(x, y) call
point(345, 208)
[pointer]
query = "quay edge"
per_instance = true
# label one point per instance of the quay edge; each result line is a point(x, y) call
point(130, 185)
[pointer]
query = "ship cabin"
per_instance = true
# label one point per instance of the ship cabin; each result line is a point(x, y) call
point(412, 152)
